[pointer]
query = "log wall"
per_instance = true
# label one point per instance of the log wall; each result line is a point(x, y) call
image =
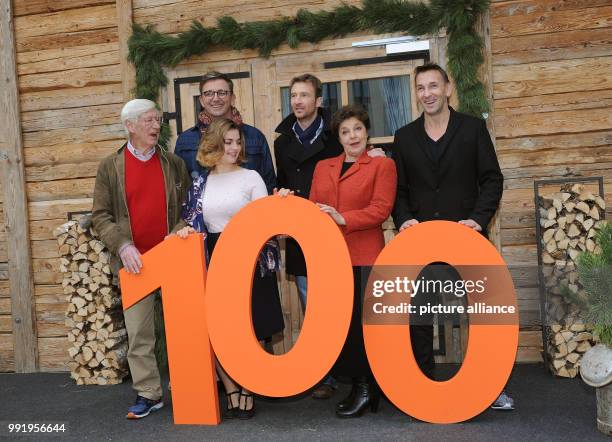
point(551, 65)
point(552, 86)
point(7, 362)
point(173, 16)
point(70, 91)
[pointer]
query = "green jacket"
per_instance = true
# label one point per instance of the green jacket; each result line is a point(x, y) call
point(111, 218)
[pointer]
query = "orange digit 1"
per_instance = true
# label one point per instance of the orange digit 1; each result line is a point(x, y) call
point(491, 348)
point(330, 296)
point(177, 266)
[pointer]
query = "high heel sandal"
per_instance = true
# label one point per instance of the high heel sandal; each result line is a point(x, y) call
point(244, 413)
point(230, 412)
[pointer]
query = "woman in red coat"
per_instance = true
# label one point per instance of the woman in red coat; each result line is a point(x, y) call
point(358, 192)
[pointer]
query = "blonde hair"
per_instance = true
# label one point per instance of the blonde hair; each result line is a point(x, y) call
point(212, 144)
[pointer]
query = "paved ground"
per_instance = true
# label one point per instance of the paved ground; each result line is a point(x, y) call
point(547, 409)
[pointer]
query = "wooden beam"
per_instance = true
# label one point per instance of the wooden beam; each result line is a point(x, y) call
point(15, 203)
point(486, 76)
point(128, 73)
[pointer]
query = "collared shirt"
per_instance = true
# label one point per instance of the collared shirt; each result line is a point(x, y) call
point(139, 155)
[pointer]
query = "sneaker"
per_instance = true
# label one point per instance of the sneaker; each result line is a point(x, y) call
point(503, 402)
point(143, 407)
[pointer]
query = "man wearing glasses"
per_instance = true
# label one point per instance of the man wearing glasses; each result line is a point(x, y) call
point(217, 99)
point(137, 202)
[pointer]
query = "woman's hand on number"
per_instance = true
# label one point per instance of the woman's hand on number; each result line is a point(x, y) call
point(339, 219)
point(184, 232)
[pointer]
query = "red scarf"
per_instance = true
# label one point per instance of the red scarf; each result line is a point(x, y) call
point(205, 119)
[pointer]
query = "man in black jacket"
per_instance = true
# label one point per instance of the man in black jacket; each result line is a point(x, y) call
point(305, 139)
point(447, 169)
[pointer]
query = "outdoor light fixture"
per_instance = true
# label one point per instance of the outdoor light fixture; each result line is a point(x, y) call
point(384, 41)
point(396, 45)
point(409, 46)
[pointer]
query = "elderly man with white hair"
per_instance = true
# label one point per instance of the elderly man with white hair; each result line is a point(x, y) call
point(137, 202)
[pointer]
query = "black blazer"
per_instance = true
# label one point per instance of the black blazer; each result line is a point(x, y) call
point(295, 167)
point(465, 183)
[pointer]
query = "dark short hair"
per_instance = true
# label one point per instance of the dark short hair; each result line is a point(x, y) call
point(308, 78)
point(350, 111)
point(430, 67)
point(214, 75)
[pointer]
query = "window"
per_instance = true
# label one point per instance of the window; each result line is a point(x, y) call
point(387, 100)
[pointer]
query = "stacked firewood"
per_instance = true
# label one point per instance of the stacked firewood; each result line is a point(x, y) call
point(569, 221)
point(94, 316)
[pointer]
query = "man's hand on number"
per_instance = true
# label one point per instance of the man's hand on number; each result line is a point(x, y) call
point(130, 257)
point(282, 192)
point(471, 224)
point(408, 223)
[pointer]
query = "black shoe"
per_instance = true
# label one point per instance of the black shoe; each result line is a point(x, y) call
point(230, 411)
point(347, 401)
point(366, 395)
point(243, 411)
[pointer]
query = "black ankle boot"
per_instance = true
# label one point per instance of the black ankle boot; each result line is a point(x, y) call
point(366, 395)
point(347, 402)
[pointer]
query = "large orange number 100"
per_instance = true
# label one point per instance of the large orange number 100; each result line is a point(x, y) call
point(201, 311)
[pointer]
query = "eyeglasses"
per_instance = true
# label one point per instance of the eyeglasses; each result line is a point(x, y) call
point(151, 120)
point(221, 93)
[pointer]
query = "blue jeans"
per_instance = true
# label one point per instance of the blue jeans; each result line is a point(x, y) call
point(302, 286)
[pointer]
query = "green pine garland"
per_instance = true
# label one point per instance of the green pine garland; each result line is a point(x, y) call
point(149, 50)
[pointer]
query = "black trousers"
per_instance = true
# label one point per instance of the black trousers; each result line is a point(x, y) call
point(353, 361)
point(421, 337)
point(266, 308)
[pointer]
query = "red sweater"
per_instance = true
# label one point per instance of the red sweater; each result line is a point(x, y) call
point(146, 201)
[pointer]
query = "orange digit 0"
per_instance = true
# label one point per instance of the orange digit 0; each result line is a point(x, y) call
point(491, 348)
point(330, 296)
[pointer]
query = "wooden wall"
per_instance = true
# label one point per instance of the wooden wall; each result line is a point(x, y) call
point(70, 91)
point(6, 336)
point(552, 86)
point(173, 16)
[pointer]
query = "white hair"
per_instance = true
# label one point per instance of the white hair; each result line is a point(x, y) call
point(133, 109)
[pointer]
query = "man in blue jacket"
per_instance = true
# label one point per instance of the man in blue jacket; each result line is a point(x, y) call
point(217, 99)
